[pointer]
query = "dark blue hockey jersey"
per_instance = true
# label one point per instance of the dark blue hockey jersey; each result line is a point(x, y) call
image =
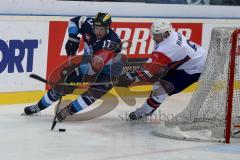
point(84, 26)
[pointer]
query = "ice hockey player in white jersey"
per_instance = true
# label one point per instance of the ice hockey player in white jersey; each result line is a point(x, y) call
point(175, 64)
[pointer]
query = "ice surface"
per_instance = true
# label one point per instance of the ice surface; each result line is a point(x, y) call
point(105, 138)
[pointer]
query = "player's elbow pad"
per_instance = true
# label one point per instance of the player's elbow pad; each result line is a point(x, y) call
point(156, 63)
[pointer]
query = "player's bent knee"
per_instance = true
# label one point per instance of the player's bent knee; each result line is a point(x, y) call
point(99, 90)
point(63, 89)
point(168, 86)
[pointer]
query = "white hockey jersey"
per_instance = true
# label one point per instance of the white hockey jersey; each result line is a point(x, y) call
point(184, 54)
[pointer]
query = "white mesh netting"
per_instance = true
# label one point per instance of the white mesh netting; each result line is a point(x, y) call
point(204, 117)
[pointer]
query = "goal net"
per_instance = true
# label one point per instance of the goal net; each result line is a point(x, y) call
point(215, 106)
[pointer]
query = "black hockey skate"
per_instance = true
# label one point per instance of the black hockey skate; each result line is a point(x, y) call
point(31, 109)
point(64, 113)
point(140, 114)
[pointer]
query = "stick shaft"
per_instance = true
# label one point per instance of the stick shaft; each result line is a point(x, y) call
point(39, 78)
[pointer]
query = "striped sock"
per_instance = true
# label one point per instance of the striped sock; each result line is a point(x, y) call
point(49, 98)
point(80, 103)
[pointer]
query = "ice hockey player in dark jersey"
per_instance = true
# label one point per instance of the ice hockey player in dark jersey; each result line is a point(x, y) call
point(102, 57)
point(175, 64)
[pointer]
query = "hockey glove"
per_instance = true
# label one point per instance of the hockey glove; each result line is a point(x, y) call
point(72, 45)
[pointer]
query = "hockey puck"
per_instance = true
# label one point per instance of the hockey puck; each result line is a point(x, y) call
point(61, 130)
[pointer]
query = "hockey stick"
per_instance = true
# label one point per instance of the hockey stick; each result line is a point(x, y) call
point(34, 76)
point(37, 77)
point(80, 85)
point(54, 122)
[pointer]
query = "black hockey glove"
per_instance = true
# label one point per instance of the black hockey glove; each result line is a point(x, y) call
point(72, 45)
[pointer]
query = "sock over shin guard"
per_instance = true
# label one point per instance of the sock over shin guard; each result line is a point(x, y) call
point(90, 96)
point(49, 98)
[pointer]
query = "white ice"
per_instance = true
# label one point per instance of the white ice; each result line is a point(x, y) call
point(108, 137)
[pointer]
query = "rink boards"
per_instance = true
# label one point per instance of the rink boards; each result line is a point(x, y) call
point(35, 44)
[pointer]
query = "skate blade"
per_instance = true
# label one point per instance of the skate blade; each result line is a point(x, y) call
point(30, 115)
